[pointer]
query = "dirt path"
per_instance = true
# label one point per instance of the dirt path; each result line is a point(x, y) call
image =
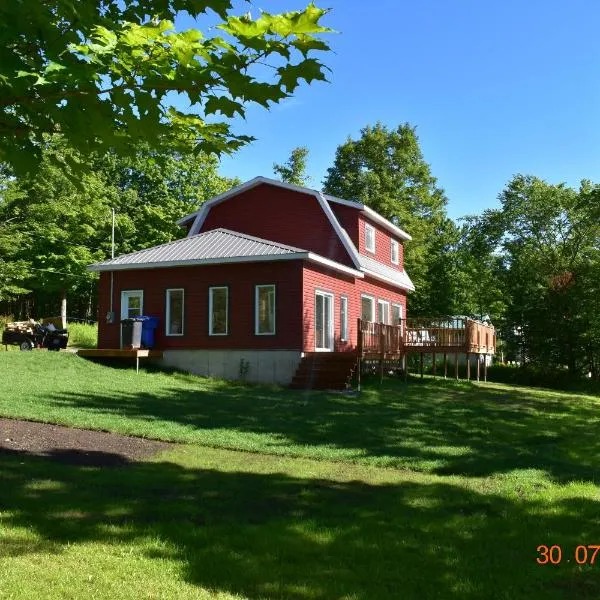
point(74, 446)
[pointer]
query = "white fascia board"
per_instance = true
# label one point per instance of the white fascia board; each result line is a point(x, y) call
point(186, 219)
point(342, 233)
point(247, 185)
point(406, 286)
point(332, 264)
point(351, 203)
point(377, 218)
point(200, 261)
point(374, 216)
point(310, 256)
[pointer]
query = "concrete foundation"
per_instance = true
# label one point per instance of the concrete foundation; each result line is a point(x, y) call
point(260, 366)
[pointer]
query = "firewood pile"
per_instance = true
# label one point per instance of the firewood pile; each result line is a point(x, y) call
point(22, 326)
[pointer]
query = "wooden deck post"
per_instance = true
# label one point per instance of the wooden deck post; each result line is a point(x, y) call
point(456, 365)
point(478, 365)
point(381, 351)
point(421, 365)
point(434, 364)
point(445, 365)
point(358, 374)
point(485, 367)
point(359, 348)
point(468, 367)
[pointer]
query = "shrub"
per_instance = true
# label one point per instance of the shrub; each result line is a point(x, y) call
point(82, 335)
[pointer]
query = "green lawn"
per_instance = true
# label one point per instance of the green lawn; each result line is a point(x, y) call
point(425, 490)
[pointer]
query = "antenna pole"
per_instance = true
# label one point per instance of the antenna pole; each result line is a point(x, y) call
point(112, 252)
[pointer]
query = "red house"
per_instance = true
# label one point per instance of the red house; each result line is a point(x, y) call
point(268, 273)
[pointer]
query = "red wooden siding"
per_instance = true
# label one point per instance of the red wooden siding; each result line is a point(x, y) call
point(348, 218)
point(322, 279)
point(241, 279)
point(279, 215)
point(383, 245)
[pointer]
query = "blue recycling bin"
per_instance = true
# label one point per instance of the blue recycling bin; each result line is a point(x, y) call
point(149, 325)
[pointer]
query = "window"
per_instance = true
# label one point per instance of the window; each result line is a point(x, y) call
point(396, 314)
point(343, 318)
point(369, 238)
point(383, 312)
point(395, 252)
point(264, 307)
point(367, 308)
point(218, 310)
point(132, 303)
point(174, 312)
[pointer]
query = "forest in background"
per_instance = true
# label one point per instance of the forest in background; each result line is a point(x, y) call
point(531, 266)
point(88, 125)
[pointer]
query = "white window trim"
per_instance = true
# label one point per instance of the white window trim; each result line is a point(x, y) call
point(168, 311)
point(344, 321)
point(387, 304)
point(123, 292)
point(395, 244)
point(256, 315)
point(395, 304)
point(369, 228)
point(140, 292)
point(332, 326)
point(210, 312)
point(373, 307)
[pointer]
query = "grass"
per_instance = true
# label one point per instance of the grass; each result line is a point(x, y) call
point(283, 494)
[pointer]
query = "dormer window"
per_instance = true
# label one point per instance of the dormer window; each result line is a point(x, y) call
point(395, 252)
point(369, 238)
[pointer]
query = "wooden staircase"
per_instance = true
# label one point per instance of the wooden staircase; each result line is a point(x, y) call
point(325, 371)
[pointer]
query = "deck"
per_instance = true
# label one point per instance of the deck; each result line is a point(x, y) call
point(135, 354)
point(425, 335)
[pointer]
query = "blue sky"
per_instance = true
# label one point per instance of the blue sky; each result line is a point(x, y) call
point(494, 89)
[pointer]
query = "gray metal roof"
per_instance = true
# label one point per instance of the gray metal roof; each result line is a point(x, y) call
point(211, 246)
point(399, 277)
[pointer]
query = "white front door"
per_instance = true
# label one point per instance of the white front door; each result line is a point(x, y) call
point(132, 305)
point(323, 322)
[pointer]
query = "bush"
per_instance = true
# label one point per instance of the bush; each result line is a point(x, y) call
point(82, 335)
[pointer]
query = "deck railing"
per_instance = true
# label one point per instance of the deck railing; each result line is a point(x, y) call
point(425, 335)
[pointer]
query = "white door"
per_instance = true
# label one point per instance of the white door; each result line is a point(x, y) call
point(132, 305)
point(323, 322)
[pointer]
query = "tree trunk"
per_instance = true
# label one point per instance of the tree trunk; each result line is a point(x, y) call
point(63, 309)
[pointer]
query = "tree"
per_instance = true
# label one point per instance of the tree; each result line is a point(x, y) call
point(155, 189)
point(106, 74)
point(56, 227)
point(548, 238)
point(294, 170)
point(385, 170)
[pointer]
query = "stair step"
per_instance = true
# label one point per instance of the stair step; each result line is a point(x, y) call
point(324, 371)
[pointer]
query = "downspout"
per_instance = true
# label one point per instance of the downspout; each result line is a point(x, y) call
point(112, 273)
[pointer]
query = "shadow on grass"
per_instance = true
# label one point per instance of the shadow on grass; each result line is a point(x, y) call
point(275, 536)
point(439, 427)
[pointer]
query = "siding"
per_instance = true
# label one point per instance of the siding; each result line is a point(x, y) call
point(241, 278)
point(279, 215)
point(318, 278)
point(383, 249)
point(348, 218)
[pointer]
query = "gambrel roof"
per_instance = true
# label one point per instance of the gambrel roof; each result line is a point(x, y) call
point(362, 263)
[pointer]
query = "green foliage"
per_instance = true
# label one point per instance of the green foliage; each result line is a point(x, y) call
point(83, 335)
point(294, 169)
point(103, 74)
point(545, 241)
point(55, 227)
point(385, 170)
